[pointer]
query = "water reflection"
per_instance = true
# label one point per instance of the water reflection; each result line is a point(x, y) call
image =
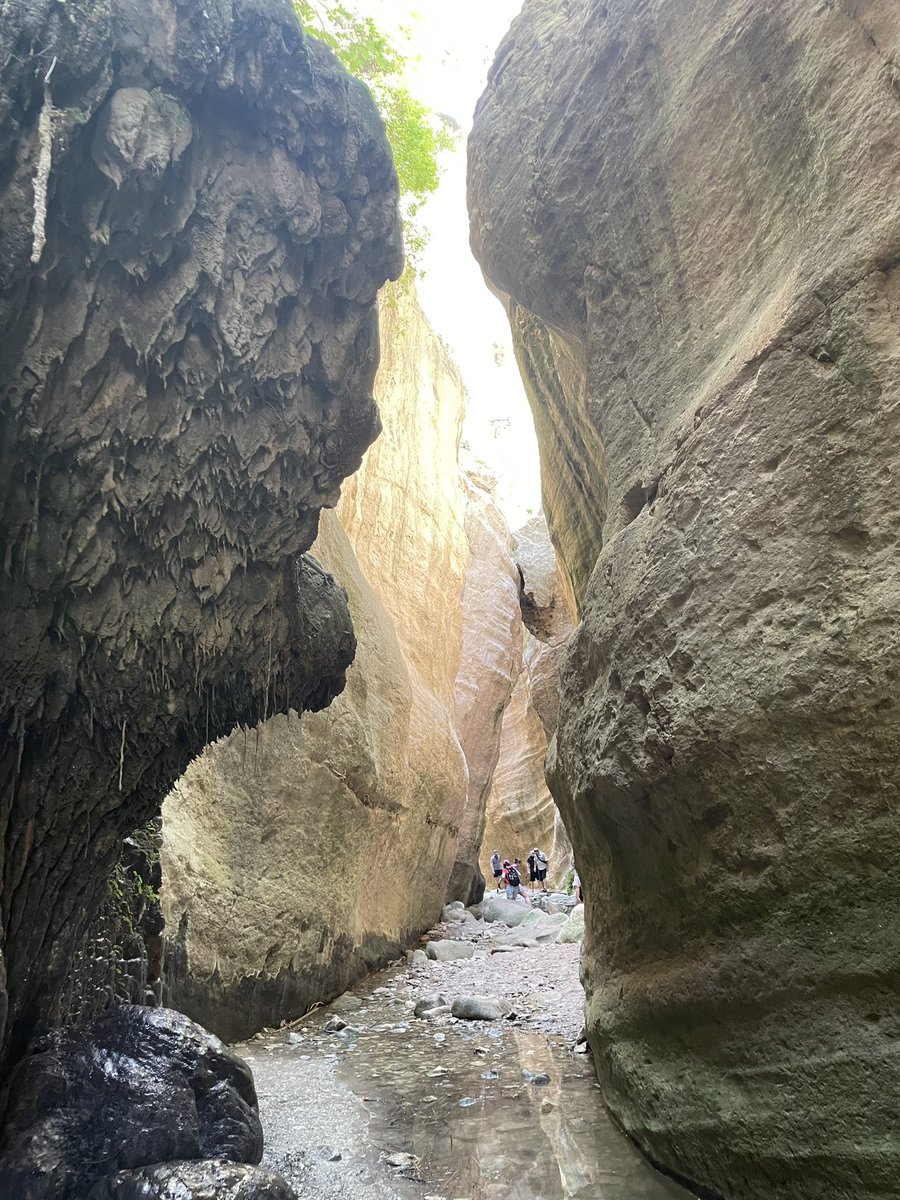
point(487, 1111)
point(485, 1125)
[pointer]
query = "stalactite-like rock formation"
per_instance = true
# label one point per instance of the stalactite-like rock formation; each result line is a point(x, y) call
point(692, 210)
point(302, 854)
point(197, 207)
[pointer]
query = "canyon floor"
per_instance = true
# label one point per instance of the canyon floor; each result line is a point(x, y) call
point(395, 1106)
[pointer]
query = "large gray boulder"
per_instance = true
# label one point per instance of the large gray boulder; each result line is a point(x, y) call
point(691, 211)
point(135, 1087)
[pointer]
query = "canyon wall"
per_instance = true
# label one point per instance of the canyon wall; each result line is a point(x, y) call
point(519, 812)
point(301, 854)
point(489, 666)
point(197, 209)
point(691, 212)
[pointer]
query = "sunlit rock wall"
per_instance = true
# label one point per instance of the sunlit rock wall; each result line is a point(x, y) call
point(489, 666)
point(519, 811)
point(693, 211)
point(299, 855)
point(197, 208)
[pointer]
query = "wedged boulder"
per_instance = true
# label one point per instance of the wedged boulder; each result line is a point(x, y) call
point(134, 1087)
point(197, 209)
point(212, 1180)
point(692, 212)
point(446, 950)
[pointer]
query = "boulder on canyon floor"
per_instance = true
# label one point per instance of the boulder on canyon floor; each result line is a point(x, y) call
point(132, 1088)
point(692, 212)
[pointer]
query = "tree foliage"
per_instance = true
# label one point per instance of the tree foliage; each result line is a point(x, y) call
point(416, 134)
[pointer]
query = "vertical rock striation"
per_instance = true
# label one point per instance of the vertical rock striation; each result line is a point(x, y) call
point(692, 210)
point(519, 811)
point(489, 666)
point(197, 207)
point(300, 855)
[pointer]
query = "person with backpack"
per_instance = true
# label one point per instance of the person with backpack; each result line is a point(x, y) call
point(497, 868)
point(512, 878)
point(541, 865)
point(517, 864)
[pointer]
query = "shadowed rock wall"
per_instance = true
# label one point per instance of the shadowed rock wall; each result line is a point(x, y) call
point(301, 855)
point(692, 210)
point(197, 207)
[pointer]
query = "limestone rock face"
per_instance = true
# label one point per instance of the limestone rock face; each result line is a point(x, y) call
point(489, 666)
point(300, 855)
point(692, 209)
point(519, 810)
point(197, 207)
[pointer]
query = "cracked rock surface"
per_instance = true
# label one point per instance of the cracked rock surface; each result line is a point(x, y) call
point(691, 211)
point(197, 207)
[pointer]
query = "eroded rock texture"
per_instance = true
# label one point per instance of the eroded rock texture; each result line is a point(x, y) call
point(302, 854)
point(693, 210)
point(198, 207)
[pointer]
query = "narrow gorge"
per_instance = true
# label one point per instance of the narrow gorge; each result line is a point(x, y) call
point(296, 634)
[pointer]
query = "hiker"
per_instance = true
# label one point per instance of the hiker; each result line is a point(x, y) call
point(517, 863)
point(577, 888)
point(532, 869)
point(513, 880)
point(497, 868)
point(541, 864)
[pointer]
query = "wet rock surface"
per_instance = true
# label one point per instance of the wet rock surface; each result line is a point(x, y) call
point(134, 1087)
point(692, 211)
point(457, 1109)
point(216, 1180)
point(197, 207)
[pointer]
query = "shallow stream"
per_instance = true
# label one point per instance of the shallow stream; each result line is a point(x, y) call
point(398, 1106)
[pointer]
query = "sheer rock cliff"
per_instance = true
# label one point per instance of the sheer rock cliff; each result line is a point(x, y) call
point(519, 811)
point(302, 854)
point(197, 207)
point(489, 666)
point(692, 213)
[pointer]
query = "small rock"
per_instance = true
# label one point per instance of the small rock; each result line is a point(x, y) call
point(417, 958)
point(446, 950)
point(346, 1003)
point(467, 1102)
point(454, 911)
point(334, 1025)
point(429, 1003)
point(477, 1008)
point(400, 1158)
point(292, 1038)
point(540, 1080)
point(440, 1011)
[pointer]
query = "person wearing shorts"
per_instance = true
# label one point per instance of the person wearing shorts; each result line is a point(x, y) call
point(541, 865)
point(497, 868)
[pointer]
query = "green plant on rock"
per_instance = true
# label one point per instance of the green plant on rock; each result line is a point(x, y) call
point(416, 134)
